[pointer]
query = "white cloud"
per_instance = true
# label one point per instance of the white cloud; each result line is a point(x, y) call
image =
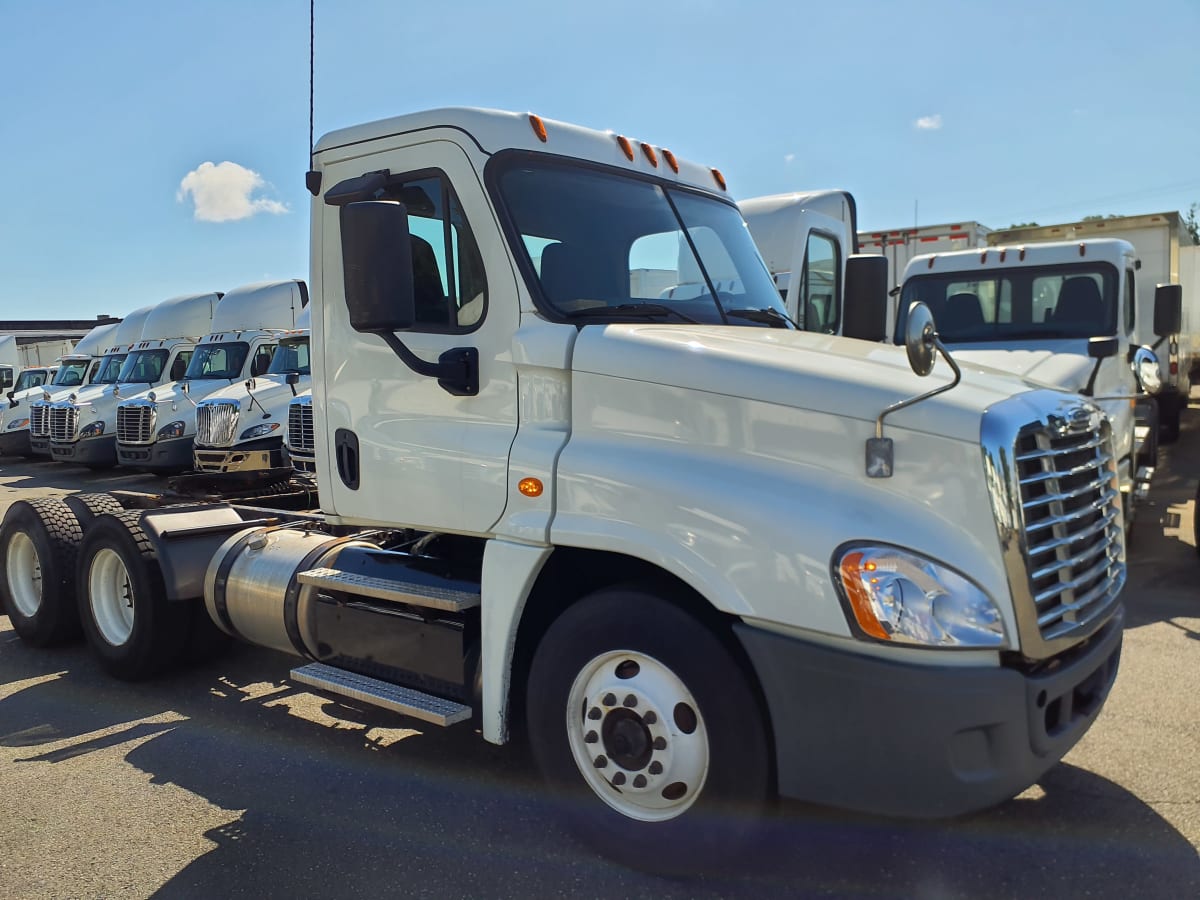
point(224, 192)
point(788, 158)
point(929, 123)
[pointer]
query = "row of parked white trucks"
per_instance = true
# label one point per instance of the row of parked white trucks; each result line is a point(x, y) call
point(582, 475)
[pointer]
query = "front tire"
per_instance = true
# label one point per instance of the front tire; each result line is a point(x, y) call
point(39, 540)
point(130, 624)
point(644, 723)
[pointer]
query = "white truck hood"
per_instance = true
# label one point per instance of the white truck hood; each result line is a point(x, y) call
point(271, 391)
point(1062, 363)
point(839, 376)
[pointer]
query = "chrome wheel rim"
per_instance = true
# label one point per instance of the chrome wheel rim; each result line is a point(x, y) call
point(637, 736)
point(24, 573)
point(110, 596)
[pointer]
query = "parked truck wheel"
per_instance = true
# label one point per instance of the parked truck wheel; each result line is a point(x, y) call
point(39, 541)
point(88, 506)
point(1169, 410)
point(647, 728)
point(128, 620)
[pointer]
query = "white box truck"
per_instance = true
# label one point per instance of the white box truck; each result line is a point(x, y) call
point(73, 371)
point(83, 429)
point(156, 429)
point(1165, 254)
point(699, 557)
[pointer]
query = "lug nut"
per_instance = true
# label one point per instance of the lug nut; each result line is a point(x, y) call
point(594, 713)
point(609, 700)
point(600, 762)
point(630, 701)
point(639, 781)
point(619, 778)
point(591, 737)
point(660, 743)
point(656, 768)
point(650, 718)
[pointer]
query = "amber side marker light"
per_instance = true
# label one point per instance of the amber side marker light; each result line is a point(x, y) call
point(530, 487)
point(852, 568)
point(539, 127)
point(719, 178)
point(649, 153)
point(671, 161)
point(626, 147)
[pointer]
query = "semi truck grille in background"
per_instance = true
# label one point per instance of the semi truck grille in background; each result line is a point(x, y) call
point(64, 423)
point(39, 420)
point(216, 423)
point(135, 424)
point(300, 428)
point(1072, 525)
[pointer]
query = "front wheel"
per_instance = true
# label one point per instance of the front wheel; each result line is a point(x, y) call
point(129, 622)
point(642, 720)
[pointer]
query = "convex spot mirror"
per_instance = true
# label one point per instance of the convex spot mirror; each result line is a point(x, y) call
point(920, 338)
point(377, 266)
point(1145, 368)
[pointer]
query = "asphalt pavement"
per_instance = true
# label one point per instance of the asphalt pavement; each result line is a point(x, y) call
point(230, 781)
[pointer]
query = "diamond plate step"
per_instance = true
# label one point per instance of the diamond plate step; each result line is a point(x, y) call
point(417, 704)
point(387, 589)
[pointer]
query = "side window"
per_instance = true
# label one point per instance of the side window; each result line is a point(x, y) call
point(1130, 301)
point(819, 284)
point(179, 367)
point(262, 359)
point(448, 280)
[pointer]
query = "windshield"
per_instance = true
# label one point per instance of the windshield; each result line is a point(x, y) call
point(1047, 302)
point(110, 368)
point(30, 378)
point(143, 367)
point(606, 246)
point(218, 361)
point(71, 373)
point(290, 356)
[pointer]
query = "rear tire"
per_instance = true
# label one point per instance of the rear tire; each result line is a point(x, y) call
point(87, 506)
point(647, 728)
point(130, 624)
point(39, 540)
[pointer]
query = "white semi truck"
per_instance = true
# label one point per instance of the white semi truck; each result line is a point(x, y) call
point(1165, 254)
point(156, 429)
point(84, 429)
point(1064, 314)
point(241, 428)
point(300, 442)
point(17, 355)
point(109, 367)
point(73, 371)
point(701, 558)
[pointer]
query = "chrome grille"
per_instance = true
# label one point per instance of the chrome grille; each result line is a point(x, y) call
point(39, 420)
point(1072, 525)
point(135, 423)
point(300, 426)
point(216, 423)
point(64, 423)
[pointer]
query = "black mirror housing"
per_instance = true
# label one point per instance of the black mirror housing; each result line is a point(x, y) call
point(864, 312)
point(1103, 347)
point(293, 377)
point(377, 266)
point(1168, 309)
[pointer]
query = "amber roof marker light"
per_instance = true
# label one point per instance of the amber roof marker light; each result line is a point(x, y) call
point(538, 126)
point(719, 179)
point(650, 155)
point(671, 161)
point(626, 147)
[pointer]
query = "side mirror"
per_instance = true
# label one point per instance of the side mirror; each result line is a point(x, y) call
point(1168, 309)
point(1103, 347)
point(293, 378)
point(377, 266)
point(864, 312)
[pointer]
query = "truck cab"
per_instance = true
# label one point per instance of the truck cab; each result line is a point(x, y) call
point(84, 427)
point(300, 442)
point(1035, 311)
point(72, 371)
point(242, 427)
point(156, 429)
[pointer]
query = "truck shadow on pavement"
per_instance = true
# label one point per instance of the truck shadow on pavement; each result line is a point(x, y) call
point(347, 801)
point(25, 474)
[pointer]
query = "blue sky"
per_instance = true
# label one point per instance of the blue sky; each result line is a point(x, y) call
point(1031, 110)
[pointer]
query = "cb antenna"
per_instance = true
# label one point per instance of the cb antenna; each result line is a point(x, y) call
point(312, 178)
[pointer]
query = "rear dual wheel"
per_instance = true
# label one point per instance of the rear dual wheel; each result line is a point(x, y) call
point(39, 540)
point(649, 732)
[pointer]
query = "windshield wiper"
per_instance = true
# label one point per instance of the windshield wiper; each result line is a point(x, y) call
point(768, 316)
point(649, 310)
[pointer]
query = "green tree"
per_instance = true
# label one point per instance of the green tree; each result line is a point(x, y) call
point(1022, 225)
point(1191, 223)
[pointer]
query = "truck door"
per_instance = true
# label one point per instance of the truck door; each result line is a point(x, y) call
point(399, 447)
point(813, 295)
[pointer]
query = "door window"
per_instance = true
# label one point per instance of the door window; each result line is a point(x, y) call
point(819, 285)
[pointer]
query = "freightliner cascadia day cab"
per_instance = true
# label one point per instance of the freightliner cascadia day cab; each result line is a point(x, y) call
point(156, 430)
point(75, 370)
point(112, 359)
point(241, 428)
point(698, 556)
point(1064, 314)
point(85, 430)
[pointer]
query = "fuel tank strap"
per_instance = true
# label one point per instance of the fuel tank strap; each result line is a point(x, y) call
point(291, 597)
point(221, 581)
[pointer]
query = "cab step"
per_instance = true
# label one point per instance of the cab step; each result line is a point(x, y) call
point(446, 599)
point(1141, 483)
point(417, 704)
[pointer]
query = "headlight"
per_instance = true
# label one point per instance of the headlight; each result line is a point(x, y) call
point(259, 431)
point(17, 423)
point(95, 429)
point(171, 430)
point(898, 596)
